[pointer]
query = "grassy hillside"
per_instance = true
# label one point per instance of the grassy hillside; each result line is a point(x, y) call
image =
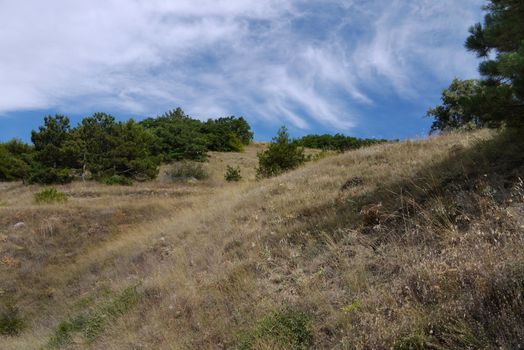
point(417, 244)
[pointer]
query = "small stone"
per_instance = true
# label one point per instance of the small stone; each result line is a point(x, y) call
point(19, 225)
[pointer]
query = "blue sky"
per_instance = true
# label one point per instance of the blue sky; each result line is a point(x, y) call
point(368, 68)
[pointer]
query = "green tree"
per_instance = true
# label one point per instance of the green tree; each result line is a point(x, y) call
point(500, 42)
point(131, 155)
point(96, 135)
point(15, 160)
point(111, 148)
point(455, 111)
point(54, 143)
point(56, 151)
point(282, 154)
point(178, 136)
point(228, 134)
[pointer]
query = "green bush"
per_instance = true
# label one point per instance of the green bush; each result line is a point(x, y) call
point(11, 323)
point(188, 170)
point(289, 329)
point(50, 195)
point(282, 155)
point(337, 142)
point(40, 174)
point(232, 174)
point(118, 180)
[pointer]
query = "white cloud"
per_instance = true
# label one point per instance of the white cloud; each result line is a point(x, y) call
point(213, 57)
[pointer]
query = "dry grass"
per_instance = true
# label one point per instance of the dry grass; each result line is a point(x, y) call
point(416, 244)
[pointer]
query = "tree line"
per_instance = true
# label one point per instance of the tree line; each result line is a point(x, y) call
point(117, 152)
point(337, 142)
point(102, 148)
point(498, 98)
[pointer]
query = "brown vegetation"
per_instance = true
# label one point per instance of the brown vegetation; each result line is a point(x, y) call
point(417, 244)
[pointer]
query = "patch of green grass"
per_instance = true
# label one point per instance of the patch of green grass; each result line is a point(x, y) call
point(11, 323)
point(92, 324)
point(354, 306)
point(118, 180)
point(49, 195)
point(412, 341)
point(288, 329)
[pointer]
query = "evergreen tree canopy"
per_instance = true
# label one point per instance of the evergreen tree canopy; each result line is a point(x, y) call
point(112, 148)
point(15, 160)
point(282, 154)
point(182, 137)
point(228, 134)
point(178, 136)
point(337, 142)
point(500, 42)
point(109, 149)
point(55, 146)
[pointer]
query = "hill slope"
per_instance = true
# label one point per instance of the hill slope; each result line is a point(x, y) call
point(416, 244)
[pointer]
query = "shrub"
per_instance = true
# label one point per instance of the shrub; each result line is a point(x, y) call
point(11, 323)
point(232, 174)
point(118, 180)
point(187, 170)
point(282, 155)
point(50, 195)
point(40, 174)
point(337, 142)
point(287, 329)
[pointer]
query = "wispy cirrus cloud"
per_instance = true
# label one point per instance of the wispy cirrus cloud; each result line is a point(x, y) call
point(305, 62)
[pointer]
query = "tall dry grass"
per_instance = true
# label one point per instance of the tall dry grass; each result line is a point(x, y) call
point(408, 245)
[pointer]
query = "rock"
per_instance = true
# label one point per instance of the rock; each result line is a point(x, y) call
point(192, 180)
point(19, 225)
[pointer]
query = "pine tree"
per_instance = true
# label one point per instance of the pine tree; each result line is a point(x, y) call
point(281, 155)
point(500, 42)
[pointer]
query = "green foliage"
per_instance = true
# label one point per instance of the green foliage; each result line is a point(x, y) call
point(15, 160)
point(282, 155)
point(228, 134)
point(48, 176)
point(455, 112)
point(55, 144)
point(92, 324)
point(117, 149)
point(232, 174)
point(11, 323)
point(287, 329)
point(354, 306)
point(179, 136)
point(49, 195)
point(185, 170)
point(118, 180)
point(413, 341)
point(56, 152)
point(502, 33)
point(104, 148)
point(337, 142)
